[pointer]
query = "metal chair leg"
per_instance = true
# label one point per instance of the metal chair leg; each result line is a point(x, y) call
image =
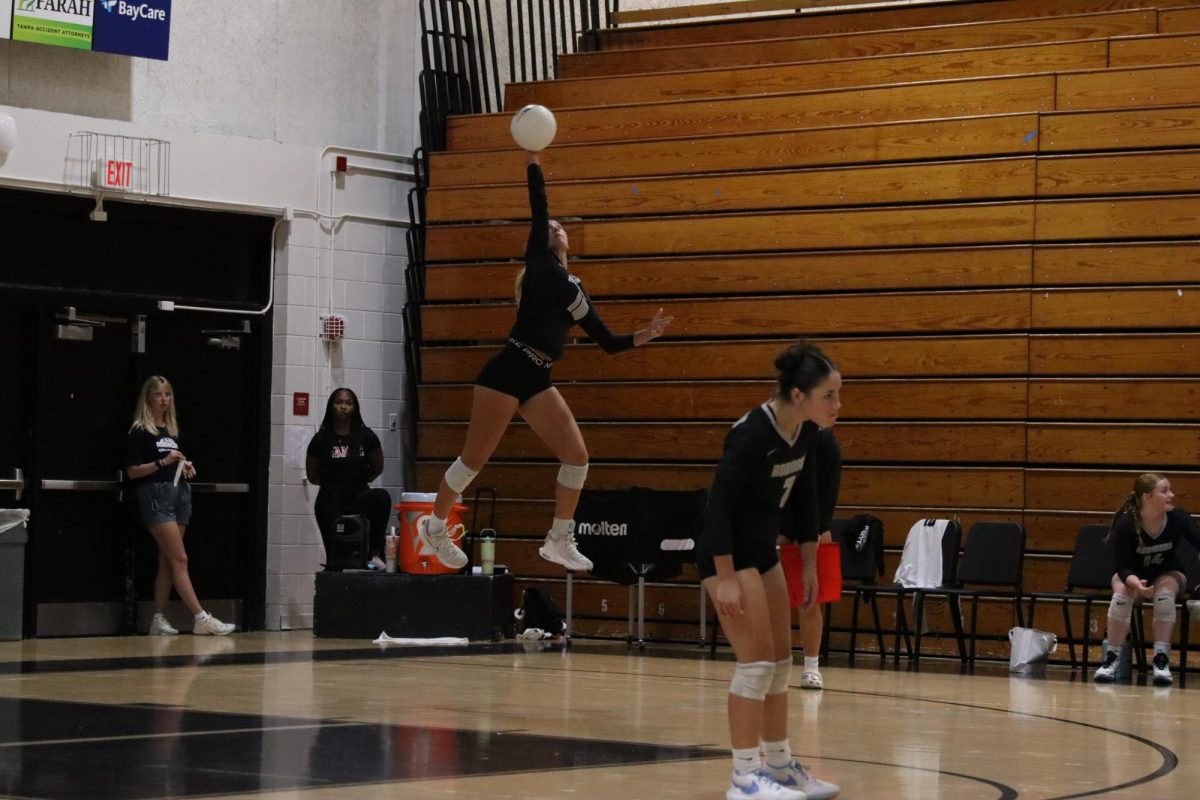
point(918, 615)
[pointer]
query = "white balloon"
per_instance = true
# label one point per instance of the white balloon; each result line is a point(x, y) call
point(533, 128)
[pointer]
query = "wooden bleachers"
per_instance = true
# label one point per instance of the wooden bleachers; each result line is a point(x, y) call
point(630, 35)
point(1007, 269)
point(736, 81)
point(760, 52)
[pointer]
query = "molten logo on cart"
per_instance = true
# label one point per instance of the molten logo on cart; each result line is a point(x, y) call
point(602, 528)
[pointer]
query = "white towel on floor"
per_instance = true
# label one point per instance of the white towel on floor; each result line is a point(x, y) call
point(385, 639)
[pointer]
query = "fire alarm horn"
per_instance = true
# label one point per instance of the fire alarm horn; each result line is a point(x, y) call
point(333, 327)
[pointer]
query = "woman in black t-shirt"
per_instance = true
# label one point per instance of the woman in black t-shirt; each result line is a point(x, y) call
point(164, 502)
point(343, 458)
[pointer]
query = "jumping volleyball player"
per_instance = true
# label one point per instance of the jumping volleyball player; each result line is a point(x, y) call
point(761, 474)
point(550, 300)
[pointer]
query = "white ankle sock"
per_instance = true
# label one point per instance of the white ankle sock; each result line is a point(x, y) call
point(203, 615)
point(436, 524)
point(559, 528)
point(777, 754)
point(810, 664)
point(745, 761)
point(1162, 647)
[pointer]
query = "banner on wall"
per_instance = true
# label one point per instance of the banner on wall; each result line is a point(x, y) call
point(132, 28)
point(123, 27)
point(64, 23)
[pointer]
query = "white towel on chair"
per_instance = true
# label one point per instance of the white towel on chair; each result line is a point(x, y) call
point(921, 561)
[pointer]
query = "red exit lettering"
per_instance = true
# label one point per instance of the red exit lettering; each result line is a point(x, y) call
point(119, 173)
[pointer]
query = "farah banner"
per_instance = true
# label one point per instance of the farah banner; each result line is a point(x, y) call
point(64, 23)
point(124, 27)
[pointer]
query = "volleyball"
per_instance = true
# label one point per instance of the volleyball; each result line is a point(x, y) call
point(533, 128)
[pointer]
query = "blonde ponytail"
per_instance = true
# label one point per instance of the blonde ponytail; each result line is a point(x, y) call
point(517, 285)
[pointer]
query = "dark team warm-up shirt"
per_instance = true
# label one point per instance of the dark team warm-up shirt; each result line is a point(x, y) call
point(344, 463)
point(1147, 557)
point(553, 300)
point(144, 447)
point(761, 475)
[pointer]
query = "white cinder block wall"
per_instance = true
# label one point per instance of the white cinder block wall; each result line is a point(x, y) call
point(253, 95)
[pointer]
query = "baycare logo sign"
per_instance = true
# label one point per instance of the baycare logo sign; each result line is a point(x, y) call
point(134, 11)
point(65, 23)
point(132, 28)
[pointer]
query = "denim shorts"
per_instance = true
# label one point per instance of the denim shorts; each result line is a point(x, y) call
point(164, 502)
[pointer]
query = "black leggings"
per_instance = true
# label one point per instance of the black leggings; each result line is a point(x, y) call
point(374, 504)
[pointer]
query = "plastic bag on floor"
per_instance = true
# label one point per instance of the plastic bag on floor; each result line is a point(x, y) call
point(1031, 649)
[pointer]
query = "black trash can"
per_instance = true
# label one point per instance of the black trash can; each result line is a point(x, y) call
point(13, 537)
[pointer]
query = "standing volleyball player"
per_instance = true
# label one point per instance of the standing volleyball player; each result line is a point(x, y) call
point(761, 474)
point(550, 301)
point(1143, 542)
point(826, 462)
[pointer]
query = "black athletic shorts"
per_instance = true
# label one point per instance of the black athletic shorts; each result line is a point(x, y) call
point(762, 556)
point(517, 371)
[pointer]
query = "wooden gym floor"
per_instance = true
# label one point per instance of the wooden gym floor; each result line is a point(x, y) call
point(284, 715)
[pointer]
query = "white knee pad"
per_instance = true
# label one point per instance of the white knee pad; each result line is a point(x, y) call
point(1121, 608)
point(459, 476)
point(1164, 607)
point(752, 679)
point(572, 476)
point(780, 677)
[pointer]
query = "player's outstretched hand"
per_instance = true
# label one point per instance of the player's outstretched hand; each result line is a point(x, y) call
point(656, 328)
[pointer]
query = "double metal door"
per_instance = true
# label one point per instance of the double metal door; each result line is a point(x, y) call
point(71, 395)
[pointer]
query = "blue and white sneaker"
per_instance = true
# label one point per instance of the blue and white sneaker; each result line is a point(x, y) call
point(759, 785)
point(797, 777)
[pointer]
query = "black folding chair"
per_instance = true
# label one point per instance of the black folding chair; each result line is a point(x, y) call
point(871, 592)
point(1089, 580)
point(861, 541)
point(991, 567)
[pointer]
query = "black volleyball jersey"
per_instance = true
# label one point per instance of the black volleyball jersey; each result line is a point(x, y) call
point(553, 300)
point(761, 475)
point(1137, 553)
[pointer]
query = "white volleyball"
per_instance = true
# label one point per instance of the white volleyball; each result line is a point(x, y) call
point(533, 128)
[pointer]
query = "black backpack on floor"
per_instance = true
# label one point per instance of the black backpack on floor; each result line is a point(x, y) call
point(538, 610)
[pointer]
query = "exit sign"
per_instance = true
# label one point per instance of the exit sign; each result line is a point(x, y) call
point(114, 174)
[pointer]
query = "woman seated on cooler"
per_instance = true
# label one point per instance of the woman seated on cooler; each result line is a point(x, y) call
point(343, 457)
point(1143, 541)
